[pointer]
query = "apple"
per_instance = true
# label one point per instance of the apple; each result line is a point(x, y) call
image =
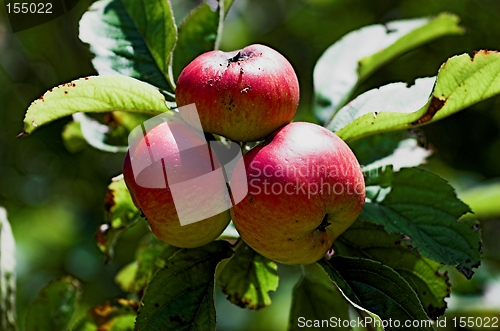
point(172, 172)
point(305, 187)
point(243, 95)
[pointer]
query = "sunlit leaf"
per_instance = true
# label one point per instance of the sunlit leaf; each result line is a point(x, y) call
point(181, 295)
point(7, 275)
point(398, 149)
point(425, 208)
point(396, 97)
point(367, 240)
point(316, 298)
point(461, 82)
point(248, 277)
point(380, 290)
point(356, 56)
point(134, 38)
point(95, 94)
point(54, 305)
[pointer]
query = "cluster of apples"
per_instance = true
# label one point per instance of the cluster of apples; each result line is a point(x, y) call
point(304, 185)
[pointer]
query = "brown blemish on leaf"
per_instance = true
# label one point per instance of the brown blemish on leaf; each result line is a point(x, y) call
point(435, 105)
point(244, 302)
point(483, 51)
point(109, 201)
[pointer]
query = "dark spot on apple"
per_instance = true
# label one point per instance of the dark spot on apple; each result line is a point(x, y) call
point(296, 221)
point(65, 92)
point(435, 105)
point(157, 305)
point(324, 224)
point(290, 239)
point(323, 241)
point(241, 71)
point(86, 78)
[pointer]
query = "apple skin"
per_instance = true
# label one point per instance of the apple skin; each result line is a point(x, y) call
point(157, 204)
point(284, 220)
point(243, 95)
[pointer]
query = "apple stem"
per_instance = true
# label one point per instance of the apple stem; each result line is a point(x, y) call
point(235, 58)
point(324, 224)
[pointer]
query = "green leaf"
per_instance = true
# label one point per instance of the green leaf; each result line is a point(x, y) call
point(151, 254)
point(73, 137)
point(97, 134)
point(368, 240)
point(7, 275)
point(134, 38)
point(348, 62)
point(181, 295)
point(122, 323)
point(397, 149)
point(483, 199)
point(425, 208)
point(248, 277)
point(95, 94)
point(315, 298)
point(110, 137)
point(396, 97)
point(119, 316)
point(54, 305)
point(197, 34)
point(379, 289)
point(200, 32)
point(121, 212)
point(461, 82)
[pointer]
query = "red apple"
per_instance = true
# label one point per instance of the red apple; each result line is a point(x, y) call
point(305, 187)
point(243, 95)
point(174, 177)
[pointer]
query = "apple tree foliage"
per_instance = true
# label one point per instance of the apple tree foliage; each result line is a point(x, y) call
point(387, 265)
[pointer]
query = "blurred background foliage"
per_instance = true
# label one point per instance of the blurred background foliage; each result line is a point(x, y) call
point(55, 198)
